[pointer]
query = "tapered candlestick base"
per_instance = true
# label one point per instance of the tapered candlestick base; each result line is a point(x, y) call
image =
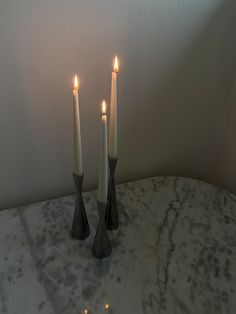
point(80, 227)
point(101, 246)
point(112, 217)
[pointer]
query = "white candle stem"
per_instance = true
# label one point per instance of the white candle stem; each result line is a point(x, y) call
point(113, 118)
point(103, 163)
point(78, 162)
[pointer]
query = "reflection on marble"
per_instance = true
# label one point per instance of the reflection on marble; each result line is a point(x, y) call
point(173, 253)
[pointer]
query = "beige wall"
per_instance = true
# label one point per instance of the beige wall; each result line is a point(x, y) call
point(224, 171)
point(178, 61)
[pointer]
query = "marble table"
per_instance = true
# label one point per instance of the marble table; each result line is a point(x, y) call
point(175, 252)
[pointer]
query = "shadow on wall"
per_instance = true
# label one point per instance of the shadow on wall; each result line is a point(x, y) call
point(224, 172)
point(188, 108)
point(12, 151)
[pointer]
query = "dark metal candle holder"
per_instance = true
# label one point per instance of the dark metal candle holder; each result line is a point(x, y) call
point(112, 217)
point(80, 227)
point(101, 246)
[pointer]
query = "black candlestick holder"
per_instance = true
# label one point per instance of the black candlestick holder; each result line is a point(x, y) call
point(101, 246)
point(112, 217)
point(80, 227)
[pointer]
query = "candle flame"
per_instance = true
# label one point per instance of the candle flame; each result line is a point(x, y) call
point(116, 65)
point(76, 82)
point(85, 311)
point(104, 107)
point(107, 306)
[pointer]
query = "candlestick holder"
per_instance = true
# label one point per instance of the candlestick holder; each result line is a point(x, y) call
point(101, 246)
point(112, 217)
point(80, 227)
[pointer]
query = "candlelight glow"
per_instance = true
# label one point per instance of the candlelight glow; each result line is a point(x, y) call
point(85, 311)
point(104, 107)
point(107, 306)
point(116, 65)
point(76, 82)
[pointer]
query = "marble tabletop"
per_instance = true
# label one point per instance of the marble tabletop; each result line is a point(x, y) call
point(174, 252)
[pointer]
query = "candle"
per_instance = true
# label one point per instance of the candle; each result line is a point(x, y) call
point(78, 162)
point(103, 162)
point(113, 112)
point(106, 307)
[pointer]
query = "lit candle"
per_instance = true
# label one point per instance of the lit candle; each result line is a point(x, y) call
point(113, 112)
point(103, 162)
point(106, 307)
point(78, 162)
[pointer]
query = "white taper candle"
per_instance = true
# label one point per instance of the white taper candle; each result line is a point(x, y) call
point(113, 112)
point(103, 162)
point(78, 160)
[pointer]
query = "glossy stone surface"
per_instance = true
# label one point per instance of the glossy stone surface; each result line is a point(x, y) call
point(174, 252)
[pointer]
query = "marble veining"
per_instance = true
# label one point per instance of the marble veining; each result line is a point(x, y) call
point(174, 252)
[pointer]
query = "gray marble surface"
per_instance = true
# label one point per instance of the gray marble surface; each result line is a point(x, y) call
point(173, 253)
